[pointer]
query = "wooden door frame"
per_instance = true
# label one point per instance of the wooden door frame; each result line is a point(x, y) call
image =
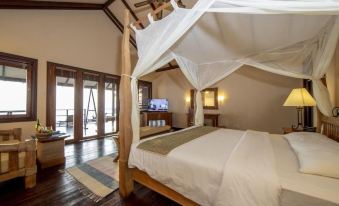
point(78, 102)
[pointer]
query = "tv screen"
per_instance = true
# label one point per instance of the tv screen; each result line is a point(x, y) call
point(158, 105)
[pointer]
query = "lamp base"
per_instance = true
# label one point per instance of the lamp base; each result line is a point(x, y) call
point(300, 125)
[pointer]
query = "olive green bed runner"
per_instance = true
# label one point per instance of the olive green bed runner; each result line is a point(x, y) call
point(165, 144)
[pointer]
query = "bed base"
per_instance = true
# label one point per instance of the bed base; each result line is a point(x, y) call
point(144, 179)
point(329, 125)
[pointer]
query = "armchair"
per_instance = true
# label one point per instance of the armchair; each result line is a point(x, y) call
point(17, 157)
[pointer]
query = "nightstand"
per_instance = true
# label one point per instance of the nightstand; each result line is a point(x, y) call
point(287, 130)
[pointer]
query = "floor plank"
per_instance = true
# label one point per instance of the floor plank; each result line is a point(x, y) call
point(56, 187)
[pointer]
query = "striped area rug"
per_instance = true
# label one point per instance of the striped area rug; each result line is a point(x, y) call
point(97, 178)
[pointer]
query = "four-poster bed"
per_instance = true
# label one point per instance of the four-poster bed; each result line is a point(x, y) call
point(149, 60)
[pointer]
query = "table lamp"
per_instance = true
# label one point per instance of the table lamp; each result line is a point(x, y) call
point(299, 97)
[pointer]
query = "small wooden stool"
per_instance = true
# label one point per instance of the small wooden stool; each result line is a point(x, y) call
point(51, 151)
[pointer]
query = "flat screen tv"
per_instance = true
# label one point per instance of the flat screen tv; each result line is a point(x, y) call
point(159, 105)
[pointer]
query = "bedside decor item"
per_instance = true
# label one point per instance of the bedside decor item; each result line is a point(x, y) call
point(42, 131)
point(299, 97)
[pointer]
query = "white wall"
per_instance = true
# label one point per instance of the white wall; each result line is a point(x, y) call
point(254, 98)
point(86, 39)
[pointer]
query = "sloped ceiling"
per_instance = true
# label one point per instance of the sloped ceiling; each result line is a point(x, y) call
point(117, 8)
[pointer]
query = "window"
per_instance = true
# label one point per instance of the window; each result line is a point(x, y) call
point(144, 94)
point(20, 75)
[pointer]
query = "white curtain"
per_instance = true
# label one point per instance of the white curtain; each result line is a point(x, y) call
point(210, 46)
point(309, 59)
point(276, 6)
point(154, 41)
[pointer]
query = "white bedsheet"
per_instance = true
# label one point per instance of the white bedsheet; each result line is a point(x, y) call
point(250, 177)
point(196, 169)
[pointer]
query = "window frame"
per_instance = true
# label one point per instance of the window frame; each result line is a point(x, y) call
point(31, 101)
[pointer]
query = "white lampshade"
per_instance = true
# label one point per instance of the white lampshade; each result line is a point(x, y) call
point(299, 97)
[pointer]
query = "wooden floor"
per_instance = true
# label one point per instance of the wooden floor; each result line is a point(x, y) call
point(56, 187)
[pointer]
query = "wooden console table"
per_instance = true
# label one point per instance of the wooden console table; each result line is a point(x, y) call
point(213, 117)
point(148, 116)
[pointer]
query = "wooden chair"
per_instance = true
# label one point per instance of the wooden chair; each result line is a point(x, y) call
point(17, 157)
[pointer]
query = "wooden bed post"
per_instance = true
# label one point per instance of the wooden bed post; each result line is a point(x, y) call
point(125, 100)
point(319, 114)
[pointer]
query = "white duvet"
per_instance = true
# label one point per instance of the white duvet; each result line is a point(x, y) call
point(225, 167)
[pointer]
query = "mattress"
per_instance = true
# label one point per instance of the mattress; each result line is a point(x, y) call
point(195, 170)
point(192, 169)
point(299, 189)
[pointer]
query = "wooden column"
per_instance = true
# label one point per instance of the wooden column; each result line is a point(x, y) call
point(78, 106)
point(101, 106)
point(51, 97)
point(125, 102)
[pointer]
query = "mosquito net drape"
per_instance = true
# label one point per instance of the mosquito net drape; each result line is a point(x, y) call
point(216, 37)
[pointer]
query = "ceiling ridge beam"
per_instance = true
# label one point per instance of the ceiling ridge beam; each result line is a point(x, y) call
point(108, 3)
point(167, 68)
point(49, 5)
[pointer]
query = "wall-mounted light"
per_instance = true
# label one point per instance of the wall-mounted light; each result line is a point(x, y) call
point(188, 99)
point(221, 98)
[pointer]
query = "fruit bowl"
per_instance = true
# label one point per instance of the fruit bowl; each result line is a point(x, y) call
point(43, 135)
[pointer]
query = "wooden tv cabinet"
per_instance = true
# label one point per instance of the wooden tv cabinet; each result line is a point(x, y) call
point(147, 116)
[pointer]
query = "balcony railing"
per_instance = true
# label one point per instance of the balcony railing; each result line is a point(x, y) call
point(12, 112)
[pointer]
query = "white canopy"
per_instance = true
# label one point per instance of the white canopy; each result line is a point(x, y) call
point(216, 37)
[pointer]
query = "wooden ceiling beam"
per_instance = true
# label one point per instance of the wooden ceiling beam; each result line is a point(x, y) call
point(108, 3)
point(167, 68)
point(49, 5)
point(132, 12)
point(118, 24)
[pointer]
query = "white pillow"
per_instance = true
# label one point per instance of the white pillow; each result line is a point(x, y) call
point(317, 153)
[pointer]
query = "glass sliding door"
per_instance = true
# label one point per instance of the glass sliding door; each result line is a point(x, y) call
point(64, 115)
point(82, 103)
point(90, 104)
point(111, 105)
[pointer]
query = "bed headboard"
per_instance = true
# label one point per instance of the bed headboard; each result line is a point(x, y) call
point(330, 127)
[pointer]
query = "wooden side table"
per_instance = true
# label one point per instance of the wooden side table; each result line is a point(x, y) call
point(287, 130)
point(51, 151)
point(214, 118)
